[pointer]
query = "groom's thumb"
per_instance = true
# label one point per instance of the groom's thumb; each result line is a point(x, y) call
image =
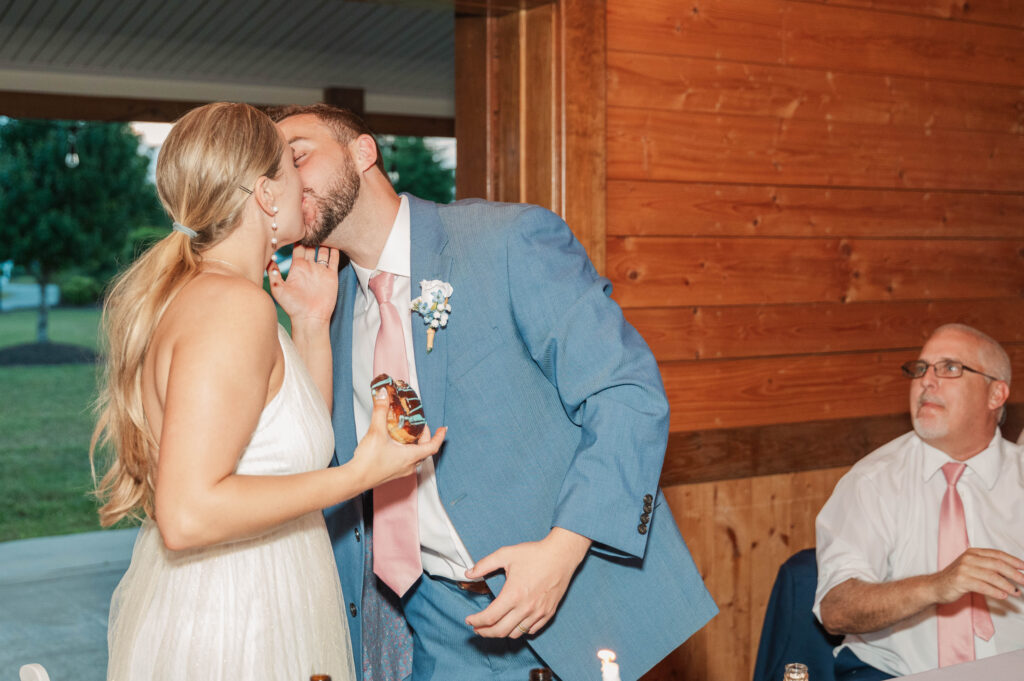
point(485, 566)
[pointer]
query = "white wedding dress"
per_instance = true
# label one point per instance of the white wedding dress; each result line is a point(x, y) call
point(264, 608)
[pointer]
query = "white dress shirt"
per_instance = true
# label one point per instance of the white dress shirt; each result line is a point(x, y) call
point(442, 552)
point(881, 524)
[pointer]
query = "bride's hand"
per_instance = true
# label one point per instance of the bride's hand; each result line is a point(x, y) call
point(311, 289)
point(381, 458)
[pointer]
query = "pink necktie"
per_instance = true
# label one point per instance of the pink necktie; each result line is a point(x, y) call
point(396, 537)
point(959, 621)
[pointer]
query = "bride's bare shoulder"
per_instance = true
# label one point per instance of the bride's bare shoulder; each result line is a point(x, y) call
point(216, 307)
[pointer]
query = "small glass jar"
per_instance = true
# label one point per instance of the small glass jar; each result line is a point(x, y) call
point(796, 672)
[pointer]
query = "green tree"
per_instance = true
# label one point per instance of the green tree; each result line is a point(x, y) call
point(415, 168)
point(57, 216)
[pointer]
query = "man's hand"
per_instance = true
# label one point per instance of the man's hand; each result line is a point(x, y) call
point(537, 575)
point(990, 572)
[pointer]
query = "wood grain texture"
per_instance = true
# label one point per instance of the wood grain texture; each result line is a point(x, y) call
point(472, 118)
point(704, 85)
point(733, 30)
point(709, 395)
point(583, 58)
point(671, 272)
point(740, 532)
point(822, 36)
point(703, 456)
point(727, 332)
point(641, 208)
point(666, 145)
point(707, 455)
point(534, 109)
point(540, 166)
point(505, 99)
point(855, 39)
point(998, 12)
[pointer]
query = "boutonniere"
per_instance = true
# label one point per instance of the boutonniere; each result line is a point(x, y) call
point(433, 306)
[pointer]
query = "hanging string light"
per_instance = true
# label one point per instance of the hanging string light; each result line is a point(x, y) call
point(71, 160)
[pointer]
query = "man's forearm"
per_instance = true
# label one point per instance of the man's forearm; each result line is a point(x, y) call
point(857, 607)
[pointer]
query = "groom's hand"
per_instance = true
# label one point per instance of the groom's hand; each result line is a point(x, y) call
point(537, 575)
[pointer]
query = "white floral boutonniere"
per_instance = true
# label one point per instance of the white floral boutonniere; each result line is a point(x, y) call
point(433, 306)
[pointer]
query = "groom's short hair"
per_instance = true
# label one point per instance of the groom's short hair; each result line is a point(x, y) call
point(343, 123)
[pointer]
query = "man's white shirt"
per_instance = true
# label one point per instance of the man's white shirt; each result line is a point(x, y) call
point(442, 551)
point(881, 524)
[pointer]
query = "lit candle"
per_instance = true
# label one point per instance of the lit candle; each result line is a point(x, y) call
point(609, 670)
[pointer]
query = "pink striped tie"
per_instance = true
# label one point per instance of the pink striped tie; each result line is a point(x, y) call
point(396, 537)
point(959, 621)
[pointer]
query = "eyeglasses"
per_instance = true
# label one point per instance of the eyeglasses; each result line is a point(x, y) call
point(947, 368)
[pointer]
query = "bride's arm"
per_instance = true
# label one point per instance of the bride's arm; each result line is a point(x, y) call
point(308, 295)
point(216, 390)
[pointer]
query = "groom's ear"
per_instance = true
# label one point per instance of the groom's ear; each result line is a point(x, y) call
point(364, 152)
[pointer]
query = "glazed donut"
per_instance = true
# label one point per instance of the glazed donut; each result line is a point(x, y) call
point(405, 411)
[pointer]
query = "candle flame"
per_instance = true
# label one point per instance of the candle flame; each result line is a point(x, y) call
point(606, 656)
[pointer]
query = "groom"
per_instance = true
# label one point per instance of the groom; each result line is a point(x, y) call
point(542, 535)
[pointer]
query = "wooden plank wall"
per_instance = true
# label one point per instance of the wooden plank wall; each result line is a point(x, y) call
point(798, 191)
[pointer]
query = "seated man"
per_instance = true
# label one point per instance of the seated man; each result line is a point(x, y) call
point(919, 548)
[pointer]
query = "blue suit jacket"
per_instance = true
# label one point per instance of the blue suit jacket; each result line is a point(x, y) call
point(558, 417)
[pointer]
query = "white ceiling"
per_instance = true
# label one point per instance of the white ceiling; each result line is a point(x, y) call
point(269, 51)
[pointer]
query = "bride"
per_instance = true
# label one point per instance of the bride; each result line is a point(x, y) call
point(220, 424)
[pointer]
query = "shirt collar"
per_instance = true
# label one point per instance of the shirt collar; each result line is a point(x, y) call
point(394, 258)
point(986, 464)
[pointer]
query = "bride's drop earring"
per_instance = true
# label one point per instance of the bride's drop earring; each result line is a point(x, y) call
point(273, 226)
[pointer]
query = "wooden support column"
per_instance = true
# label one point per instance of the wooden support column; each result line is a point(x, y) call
point(353, 99)
point(530, 112)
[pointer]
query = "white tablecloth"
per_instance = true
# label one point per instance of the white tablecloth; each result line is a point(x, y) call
point(1005, 667)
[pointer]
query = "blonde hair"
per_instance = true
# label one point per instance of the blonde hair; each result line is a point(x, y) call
point(210, 160)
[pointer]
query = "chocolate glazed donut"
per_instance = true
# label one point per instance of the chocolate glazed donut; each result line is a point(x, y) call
point(405, 411)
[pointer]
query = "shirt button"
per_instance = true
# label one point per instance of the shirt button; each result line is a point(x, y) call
point(358, 536)
point(352, 609)
point(642, 529)
point(645, 518)
point(648, 498)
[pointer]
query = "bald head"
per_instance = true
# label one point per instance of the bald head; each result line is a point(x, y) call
point(991, 358)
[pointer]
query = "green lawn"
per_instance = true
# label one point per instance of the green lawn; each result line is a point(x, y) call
point(44, 454)
point(46, 423)
point(74, 325)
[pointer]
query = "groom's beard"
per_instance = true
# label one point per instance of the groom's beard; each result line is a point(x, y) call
point(334, 205)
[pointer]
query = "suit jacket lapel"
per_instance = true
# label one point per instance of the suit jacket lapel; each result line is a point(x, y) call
point(342, 414)
point(428, 261)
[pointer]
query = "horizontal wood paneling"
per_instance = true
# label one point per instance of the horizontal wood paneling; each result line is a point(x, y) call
point(820, 36)
point(663, 145)
point(639, 208)
point(740, 532)
point(667, 271)
point(735, 30)
point(686, 333)
point(998, 12)
point(707, 455)
point(843, 39)
point(701, 85)
point(799, 192)
point(735, 393)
